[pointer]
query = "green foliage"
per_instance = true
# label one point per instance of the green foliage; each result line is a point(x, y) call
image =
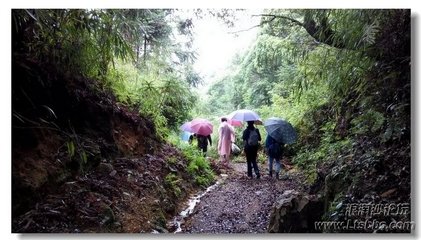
point(329, 147)
point(220, 97)
point(239, 159)
point(84, 152)
point(197, 166)
point(285, 62)
point(163, 97)
point(70, 148)
point(173, 182)
point(261, 158)
point(172, 160)
point(351, 33)
point(314, 68)
point(82, 41)
point(132, 50)
point(341, 70)
point(369, 122)
point(175, 139)
point(332, 73)
point(200, 169)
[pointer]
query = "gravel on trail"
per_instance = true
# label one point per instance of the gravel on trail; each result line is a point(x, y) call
point(238, 204)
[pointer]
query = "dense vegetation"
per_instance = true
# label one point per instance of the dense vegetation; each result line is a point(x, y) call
point(341, 77)
point(95, 93)
point(318, 69)
point(132, 52)
point(143, 56)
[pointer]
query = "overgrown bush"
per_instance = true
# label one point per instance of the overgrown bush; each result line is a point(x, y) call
point(197, 165)
point(367, 122)
point(162, 97)
point(329, 147)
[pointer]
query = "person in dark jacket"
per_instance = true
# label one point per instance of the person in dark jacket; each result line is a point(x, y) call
point(250, 148)
point(202, 142)
point(274, 151)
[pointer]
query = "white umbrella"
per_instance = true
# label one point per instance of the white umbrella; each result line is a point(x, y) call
point(244, 115)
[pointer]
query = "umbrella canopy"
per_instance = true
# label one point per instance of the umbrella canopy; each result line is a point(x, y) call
point(244, 115)
point(186, 127)
point(185, 136)
point(280, 130)
point(201, 126)
point(233, 122)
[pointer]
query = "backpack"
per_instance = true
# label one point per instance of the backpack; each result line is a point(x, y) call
point(253, 139)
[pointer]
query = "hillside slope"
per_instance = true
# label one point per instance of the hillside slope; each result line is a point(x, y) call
point(83, 163)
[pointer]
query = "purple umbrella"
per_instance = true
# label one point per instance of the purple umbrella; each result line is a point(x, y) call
point(186, 127)
point(245, 115)
point(201, 126)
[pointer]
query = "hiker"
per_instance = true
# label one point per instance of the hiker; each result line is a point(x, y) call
point(251, 138)
point(191, 138)
point(274, 150)
point(202, 143)
point(226, 138)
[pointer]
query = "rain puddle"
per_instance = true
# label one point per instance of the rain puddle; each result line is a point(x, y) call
point(193, 201)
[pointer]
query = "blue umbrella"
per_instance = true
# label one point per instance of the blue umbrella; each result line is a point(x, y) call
point(185, 136)
point(280, 130)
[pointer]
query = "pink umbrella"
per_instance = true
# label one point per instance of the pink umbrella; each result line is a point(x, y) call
point(235, 123)
point(201, 126)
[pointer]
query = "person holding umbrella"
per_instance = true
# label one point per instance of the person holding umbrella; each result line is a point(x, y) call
point(251, 138)
point(202, 143)
point(274, 151)
point(202, 129)
point(280, 132)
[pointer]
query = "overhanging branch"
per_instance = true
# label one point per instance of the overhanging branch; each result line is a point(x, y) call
point(322, 32)
point(258, 25)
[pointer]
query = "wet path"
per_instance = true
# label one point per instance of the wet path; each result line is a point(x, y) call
point(237, 204)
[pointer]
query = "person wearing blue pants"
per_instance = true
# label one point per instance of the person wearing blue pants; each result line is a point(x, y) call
point(274, 149)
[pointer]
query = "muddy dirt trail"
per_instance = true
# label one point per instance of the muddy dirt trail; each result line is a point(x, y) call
point(238, 204)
